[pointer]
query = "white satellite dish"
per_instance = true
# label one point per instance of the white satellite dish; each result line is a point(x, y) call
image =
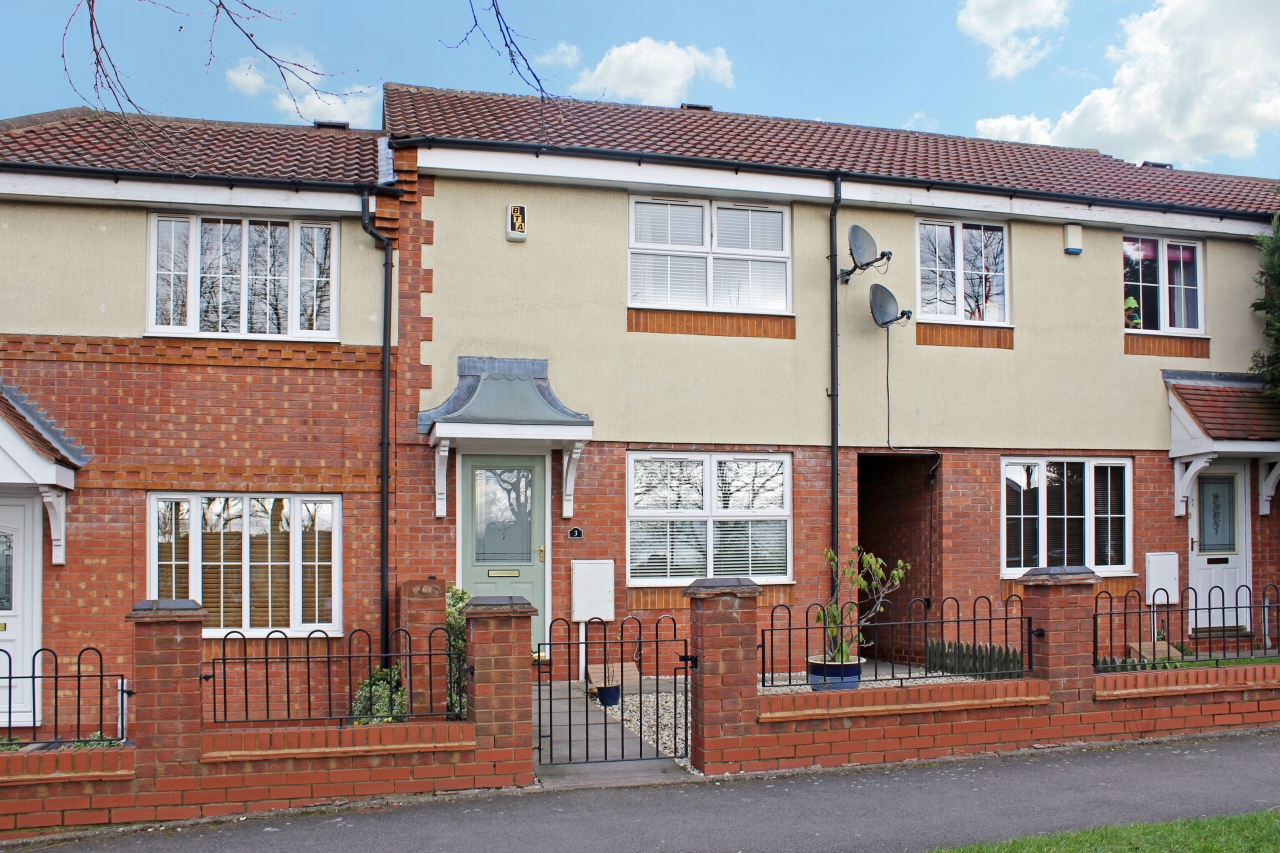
point(884, 307)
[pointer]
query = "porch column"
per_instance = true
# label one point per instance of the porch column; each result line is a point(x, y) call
point(1062, 603)
point(167, 638)
point(500, 688)
point(723, 699)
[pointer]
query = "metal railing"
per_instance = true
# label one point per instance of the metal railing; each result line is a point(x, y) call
point(928, 640)
point(342, 680)
point(612, 694)
point(43, 704)
point(1164, 631)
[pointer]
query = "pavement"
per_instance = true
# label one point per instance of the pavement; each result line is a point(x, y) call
point(905, 807)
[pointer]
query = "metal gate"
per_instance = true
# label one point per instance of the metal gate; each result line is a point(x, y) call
point(607, 693)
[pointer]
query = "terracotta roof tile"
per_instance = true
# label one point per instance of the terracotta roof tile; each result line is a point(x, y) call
point(82, 137)
point(411, 111)
point(1232, 412)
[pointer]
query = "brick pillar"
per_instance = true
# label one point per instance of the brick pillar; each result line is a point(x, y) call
point(500, 688)
point(723, 636)
point(421, 614)
point(167, 638)
point(1063, 604)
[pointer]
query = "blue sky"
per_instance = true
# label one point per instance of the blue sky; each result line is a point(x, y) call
point(1194, 82)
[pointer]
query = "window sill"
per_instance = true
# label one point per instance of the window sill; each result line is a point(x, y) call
point(233, 634)
point(183, 334)
point(649, 583)
point(934, 320)
point(1168, 333)
point(1139, 342)
point(1127, 573)
point(703, 322)
point(954, 334)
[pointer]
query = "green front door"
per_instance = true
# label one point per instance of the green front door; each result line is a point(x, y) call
point(503, 532)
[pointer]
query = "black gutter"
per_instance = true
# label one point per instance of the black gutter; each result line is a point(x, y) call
point(834, 391)
point(384, 472)
point(810, 172)
point(228, 181)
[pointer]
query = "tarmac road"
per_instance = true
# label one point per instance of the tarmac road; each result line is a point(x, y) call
point(914, 807)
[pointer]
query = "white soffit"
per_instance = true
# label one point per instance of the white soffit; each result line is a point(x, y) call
point(21, 465)
point(662, 179)
point(177, 194)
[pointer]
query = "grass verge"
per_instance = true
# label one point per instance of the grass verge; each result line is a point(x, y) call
point(1251, 833)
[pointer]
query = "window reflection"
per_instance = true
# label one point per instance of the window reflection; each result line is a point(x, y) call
point(504, 515)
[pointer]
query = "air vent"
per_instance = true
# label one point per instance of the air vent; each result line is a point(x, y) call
point(706, 108)
point(331, 125)
point(1155, 165)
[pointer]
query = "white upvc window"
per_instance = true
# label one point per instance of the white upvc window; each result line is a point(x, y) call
point(710, 256)
point(285, 574)
point(697, 515)
point(962, 271)
point(1163, 285)
point(234, 277)
point(1067, 512)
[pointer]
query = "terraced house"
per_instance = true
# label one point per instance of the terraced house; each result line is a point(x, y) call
point(621, 352)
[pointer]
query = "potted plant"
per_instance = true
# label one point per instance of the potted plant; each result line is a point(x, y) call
point(868, 582)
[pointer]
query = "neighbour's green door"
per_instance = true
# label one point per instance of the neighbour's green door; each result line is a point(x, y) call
point(503, 532)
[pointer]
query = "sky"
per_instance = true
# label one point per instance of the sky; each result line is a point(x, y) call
point(1195, 83)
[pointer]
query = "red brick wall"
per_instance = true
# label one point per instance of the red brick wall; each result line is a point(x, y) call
point(895, 520)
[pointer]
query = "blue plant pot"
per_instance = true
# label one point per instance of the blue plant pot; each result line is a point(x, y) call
point(609, 696)
point(829, 675)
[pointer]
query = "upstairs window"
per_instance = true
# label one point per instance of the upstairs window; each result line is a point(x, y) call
point(963, 273)
point(220, 277)
point(702, 255)
point(1067, 512)
point(1162, 285)
point(703, 515)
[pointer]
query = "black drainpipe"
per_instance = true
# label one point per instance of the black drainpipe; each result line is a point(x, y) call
point(384, 470)
point(834, 391)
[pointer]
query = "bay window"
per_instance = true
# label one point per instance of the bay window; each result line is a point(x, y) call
point(1067, 512)
point(234, 277)
point(703, 515)
point(256, 563)
point(962, 272)
point(1162, 285)
point(703, 255)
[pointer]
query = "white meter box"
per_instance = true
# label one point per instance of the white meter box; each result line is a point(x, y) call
point(1162, 577)
point(593, 583)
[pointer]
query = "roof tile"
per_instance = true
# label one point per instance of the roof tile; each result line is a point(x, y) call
point(1232, 413)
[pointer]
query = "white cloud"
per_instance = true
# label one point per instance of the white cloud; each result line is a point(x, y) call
point(564, 54)
point(652, 72)
point(245, 79)
point(920, 121)
point(1193, 81)
point(358, 105)
point(996, 23)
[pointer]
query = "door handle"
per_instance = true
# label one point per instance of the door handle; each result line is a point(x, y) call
point(542, 553)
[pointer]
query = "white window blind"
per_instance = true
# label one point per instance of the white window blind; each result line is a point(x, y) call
point(708, 515)
point(746, 263)
point(256, 563)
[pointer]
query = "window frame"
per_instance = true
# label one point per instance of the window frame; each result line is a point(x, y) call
point(1162, 268)
point(958, 229)
point(709, 251)
point(711, 513)
point(191, 329)
point(1090, 463)
point(296, 628)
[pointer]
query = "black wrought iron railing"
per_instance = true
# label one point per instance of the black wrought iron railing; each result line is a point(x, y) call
point(928, 640)
point(48, 700)
point(1165, 630)
point(336, 680)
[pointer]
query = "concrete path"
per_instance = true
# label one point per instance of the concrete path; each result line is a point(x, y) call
point(916, 807)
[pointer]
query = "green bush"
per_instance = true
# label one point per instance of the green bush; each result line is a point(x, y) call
point(456, 629)
point(380, 698)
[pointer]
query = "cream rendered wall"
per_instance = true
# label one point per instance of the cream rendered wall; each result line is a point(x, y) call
point(72, 270)
point(562, 296)
point(69, 269)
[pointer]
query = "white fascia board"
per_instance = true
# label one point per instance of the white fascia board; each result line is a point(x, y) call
point(176, 194)
point(39, 470)
point(550, 434)
point(664, 179)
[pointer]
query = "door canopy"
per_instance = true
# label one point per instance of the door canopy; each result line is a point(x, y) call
point(504, 405)
point(1221, 416)
point(34, 452)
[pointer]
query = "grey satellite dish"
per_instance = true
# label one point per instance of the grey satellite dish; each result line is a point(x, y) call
point(862, 246)
point(884, 306)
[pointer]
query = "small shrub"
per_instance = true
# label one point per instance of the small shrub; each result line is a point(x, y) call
point(97, 740)
point(380, 698)
point(456, 630)
point(988, 661)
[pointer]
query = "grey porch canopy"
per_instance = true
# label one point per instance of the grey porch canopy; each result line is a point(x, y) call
point(504, 405)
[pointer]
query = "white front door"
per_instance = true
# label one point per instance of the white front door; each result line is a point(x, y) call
point(20, 534)
point(1219, 560)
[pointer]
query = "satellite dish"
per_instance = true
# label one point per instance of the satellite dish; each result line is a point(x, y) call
point(862, 246)
point(884, 306)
